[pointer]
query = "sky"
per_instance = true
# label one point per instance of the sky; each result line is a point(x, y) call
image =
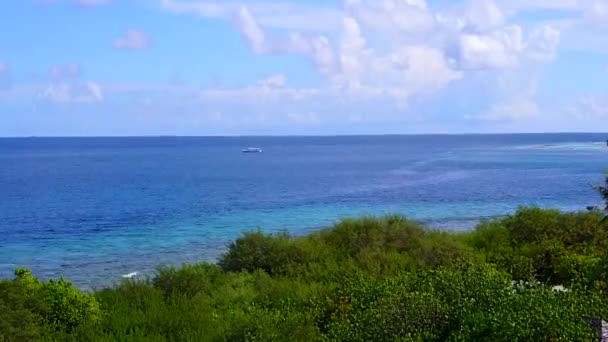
point(302, 67)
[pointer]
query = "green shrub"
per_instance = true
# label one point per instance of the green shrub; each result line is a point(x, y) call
point(534, 225)
point(547, 245)
point(33, 310)
point(351, 237)
point(188, 280)
point(373, 279)
point(17, 322)
point(258, 251)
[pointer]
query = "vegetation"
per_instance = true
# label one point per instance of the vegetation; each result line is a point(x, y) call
point(603, 191)
point(372, 279)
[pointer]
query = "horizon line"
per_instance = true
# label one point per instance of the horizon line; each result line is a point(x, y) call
point(288, 135)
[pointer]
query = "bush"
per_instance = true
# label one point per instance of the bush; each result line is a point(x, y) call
point(188, 280)
point(33, 309)
point(470, 303)
point(546, 245)
point(534, 225)
point(257, 251)
point(374, 279)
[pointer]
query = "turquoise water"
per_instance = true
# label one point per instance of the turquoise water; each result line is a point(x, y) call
point(94, 209)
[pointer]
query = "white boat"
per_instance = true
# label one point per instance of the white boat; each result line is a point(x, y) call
point(252, 150)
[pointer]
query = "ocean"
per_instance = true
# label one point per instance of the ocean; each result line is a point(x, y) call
point(95, 209)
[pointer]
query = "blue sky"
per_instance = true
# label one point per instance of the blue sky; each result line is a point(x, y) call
point(281, 67)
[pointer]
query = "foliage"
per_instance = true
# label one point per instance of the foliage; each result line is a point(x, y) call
point(372, 279)
point(603, 191)
point(547, 245)
point(32, 309)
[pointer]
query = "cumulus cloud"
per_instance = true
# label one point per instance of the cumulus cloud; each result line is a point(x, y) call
point(350, 64)
point(489, 42)
point(368, 53)
point(391, 48)
point(67, 86)
point(315, 47)
point(351, 53)
point(516, 6)
point(498, 49)
point(132, 40)
point(403, 16)
point(251, 31)
point(480, 32)
point(369, 50)
point(272, 14)
point(483, 16)
point(543, 43)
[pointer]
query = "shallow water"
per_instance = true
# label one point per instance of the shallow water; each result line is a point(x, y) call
point(94, 209)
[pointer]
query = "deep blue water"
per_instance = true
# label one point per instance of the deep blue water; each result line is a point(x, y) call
point(93, 209)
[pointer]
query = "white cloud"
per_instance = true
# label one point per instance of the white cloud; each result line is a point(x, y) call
point(66, 93)
point(489, 42)
point(507, 48)
point(428, 68)
point(498, 49)
point(368, 52)
point(351, 53)
point(480, 32)
point(483, 16)
point(317, 48)
point(543, 43)
point(251, 31)
point(402, 16)
point(514, 6)
point(133, 40)
point(66, 86)
point(353, 66)
point(271, 14)
point(391, 48)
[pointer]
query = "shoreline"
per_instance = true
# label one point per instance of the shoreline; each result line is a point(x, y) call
point(112, 278)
